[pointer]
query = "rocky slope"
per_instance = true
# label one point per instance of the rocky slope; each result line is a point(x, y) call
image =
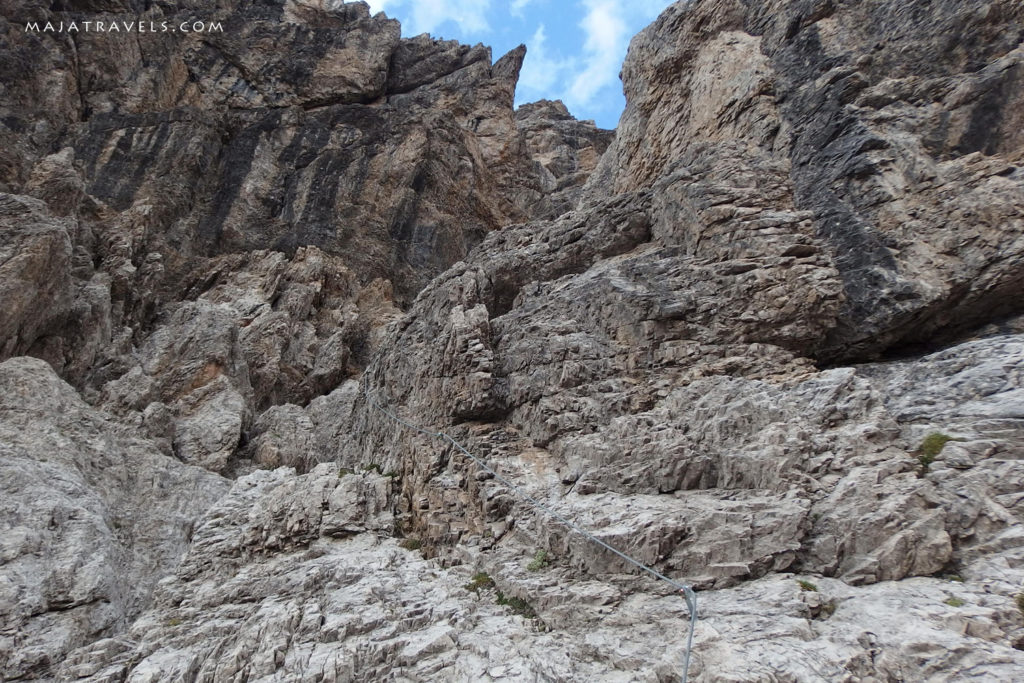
point(763, 339)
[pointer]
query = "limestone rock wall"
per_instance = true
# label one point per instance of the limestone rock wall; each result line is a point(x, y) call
point(766, 337)
point(896, 123)
point(93, 516)
point(398, 154)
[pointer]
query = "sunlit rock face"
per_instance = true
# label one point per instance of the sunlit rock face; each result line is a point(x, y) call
point(765, 337)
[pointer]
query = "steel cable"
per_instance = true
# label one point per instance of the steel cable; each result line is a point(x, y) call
point(687, 592)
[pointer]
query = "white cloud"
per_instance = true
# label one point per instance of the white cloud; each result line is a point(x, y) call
point(607, 37)
point(516, 7)
point(379, 5)
point(470, 16)
point(541, 72)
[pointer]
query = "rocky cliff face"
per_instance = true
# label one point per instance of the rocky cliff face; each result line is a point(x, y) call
point(763, 339)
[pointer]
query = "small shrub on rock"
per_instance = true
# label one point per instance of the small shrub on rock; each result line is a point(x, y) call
point(517, 605)
point(479, 581)
point(930, 448)
point(539, 561)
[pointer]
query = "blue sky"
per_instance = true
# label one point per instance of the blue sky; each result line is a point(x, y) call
point(574, 47)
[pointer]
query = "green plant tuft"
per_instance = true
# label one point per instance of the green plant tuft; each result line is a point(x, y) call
point(806, 585)
point(1020, 602)
point(539, 561)
point(954, 602)
point(391, 474)
point(174, 621)
point(517, 605)
point(344, 472)
point(372, 467)
point(411, 544)
point(930, 448)
point(479, 581)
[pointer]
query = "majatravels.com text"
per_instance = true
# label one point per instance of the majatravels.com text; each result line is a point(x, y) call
point(96, 26)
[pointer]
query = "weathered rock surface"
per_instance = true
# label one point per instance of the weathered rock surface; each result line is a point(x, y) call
point(564, 151)
point(293, 578)
point(35, 272)
point(401, 154)
point(92, 517)
point(321, 185)
point(765, 335)
point(896, 123)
